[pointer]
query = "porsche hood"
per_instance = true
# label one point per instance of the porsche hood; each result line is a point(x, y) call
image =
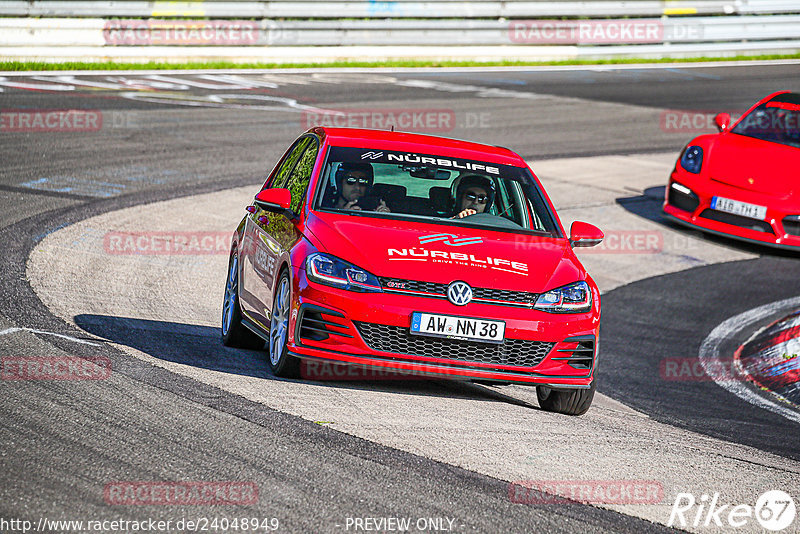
point(754, 165)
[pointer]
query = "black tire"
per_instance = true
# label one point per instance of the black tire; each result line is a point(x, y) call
point(569, 401)
point(280, 361)
point(234, 333)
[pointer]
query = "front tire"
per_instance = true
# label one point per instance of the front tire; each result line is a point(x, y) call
point(569, 402)
point(234, 333)
point(281, 362)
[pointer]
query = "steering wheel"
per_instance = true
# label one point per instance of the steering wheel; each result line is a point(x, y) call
point(488, 219)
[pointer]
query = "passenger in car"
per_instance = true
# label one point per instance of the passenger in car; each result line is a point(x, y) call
point(473, 194)
point(353, 184)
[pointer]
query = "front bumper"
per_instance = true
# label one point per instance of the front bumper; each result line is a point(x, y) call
point(371, 330)
point(695, 211)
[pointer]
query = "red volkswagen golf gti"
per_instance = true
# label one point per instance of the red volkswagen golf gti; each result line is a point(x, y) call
point(419, 254)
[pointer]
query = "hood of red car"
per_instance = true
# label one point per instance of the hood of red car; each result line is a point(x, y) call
point(441, 253)
point(753, 164)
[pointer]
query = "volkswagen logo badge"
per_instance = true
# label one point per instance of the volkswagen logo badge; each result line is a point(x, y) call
point(459, 293)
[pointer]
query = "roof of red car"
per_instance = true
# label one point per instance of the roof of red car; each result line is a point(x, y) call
point(419, 143)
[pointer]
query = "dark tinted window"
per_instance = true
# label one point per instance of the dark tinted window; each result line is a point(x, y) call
point(435, 187)
point(287, 165)
point(777, 120)
point(301, 175)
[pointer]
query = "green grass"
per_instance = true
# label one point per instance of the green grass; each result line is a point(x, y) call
point(102, 65)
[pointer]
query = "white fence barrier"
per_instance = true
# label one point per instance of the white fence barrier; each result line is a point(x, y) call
point(394, 8)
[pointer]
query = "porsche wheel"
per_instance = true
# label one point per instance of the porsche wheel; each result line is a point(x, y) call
point(569, 402)
point(234, 333)
point(280, 361)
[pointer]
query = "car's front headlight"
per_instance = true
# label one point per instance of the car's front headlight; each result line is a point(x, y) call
point(692, 159)
point(571, 298)
point(332, 271)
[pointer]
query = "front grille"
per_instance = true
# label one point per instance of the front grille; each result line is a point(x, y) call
point(398, 340)
point(737, 220)
point(432, 289)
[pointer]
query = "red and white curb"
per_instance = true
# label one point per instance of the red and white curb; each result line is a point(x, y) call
point(711, 359)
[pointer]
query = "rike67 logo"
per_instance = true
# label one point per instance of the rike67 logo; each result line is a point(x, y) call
point(774, 511)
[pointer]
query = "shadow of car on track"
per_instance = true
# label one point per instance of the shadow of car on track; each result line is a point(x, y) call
point(648, 206)
point(200, 346)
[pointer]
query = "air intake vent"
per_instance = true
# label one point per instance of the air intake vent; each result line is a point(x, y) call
point(682, 201)
point(791, 224)
point(582, 356)
point(313, 326)
point(737, 220)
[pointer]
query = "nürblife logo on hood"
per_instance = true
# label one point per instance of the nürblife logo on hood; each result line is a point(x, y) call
point(457, 258)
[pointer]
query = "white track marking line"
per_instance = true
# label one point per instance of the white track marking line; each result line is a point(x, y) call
point(710, 358)
point(34, 331)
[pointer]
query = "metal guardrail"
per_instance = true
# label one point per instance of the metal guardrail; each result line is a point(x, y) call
point(460, 9)
point(372, 30)
point(112, 33)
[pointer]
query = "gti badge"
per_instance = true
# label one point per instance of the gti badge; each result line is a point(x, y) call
point(459, 293)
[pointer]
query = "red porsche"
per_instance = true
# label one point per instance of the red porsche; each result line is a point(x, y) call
point(418, 254)
point(743, 182)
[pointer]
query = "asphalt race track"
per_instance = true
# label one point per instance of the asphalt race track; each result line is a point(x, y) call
point(161, 152)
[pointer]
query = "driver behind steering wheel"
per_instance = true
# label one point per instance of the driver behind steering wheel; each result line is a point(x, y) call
point(473, 194)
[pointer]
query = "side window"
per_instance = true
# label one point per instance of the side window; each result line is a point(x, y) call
point(288, 163)
point(298, 182)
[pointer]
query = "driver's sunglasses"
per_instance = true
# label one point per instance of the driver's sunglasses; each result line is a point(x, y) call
point(472, 197)
point(352, 180)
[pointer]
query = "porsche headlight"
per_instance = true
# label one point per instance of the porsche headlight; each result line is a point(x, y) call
point(692, 159)
point(332, 271)
point(571, 298)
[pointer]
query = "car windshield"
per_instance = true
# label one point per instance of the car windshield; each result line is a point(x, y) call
point(777, 120)
point(437, 188)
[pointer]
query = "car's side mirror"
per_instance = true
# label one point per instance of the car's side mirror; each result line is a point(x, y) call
point(723, 121)
point(583, 234)
point(276, 201)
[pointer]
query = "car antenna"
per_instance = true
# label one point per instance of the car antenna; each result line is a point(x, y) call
point(392, 127)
